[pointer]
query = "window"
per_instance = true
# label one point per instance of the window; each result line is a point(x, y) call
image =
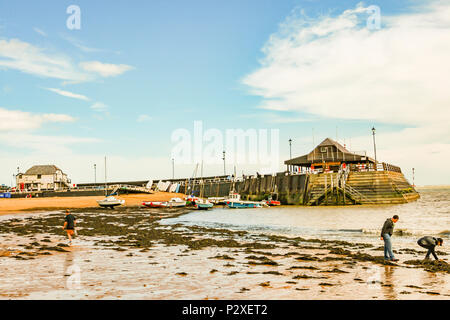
point(323, 149)
point(39, 176)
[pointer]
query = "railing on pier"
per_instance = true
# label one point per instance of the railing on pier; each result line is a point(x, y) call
point(381, 166)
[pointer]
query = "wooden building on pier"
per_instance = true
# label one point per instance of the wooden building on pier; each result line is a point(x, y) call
point(328, 156)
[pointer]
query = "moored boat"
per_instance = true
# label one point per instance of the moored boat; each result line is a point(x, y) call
point(173, 203)
point(272, 203)
point(110, 202)
point(217, 200)
point(198, 203)
point(234, 201)
point(202, 204)
point(243, 204)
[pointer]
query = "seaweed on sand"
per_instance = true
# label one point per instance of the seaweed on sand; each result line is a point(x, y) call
point(431, 265)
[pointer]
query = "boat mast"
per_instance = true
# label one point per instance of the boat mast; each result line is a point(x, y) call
point(193, 178)
point(106, 183)
point(234, 180)
point(201, 188)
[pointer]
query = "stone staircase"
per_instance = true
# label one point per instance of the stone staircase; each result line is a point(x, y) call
point(320, 186)
point(372, 187)
point(382, 187)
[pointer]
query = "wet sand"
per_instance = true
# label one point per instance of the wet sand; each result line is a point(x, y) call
point(8, 206)
point(128, 254)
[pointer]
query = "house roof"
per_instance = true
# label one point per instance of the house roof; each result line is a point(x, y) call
point(315, 156)
point(42, 169)
point(329, 142)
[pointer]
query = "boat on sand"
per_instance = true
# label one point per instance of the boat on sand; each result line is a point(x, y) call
point(110, 202)
point(173, 203)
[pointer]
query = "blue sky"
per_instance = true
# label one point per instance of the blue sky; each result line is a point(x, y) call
point(137, 71)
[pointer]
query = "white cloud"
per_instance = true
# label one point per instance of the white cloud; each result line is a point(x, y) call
point(99, 107)
point(334, 67)
point(25, 57)
point(43, 144)
point(101, 110)
point(144, 118)
point(273, 117)
point(105, 69)
point(69, 94)
point(80, 45)
point(15, 120)
point(42, 33)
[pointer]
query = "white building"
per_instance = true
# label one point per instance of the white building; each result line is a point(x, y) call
point(44, 177)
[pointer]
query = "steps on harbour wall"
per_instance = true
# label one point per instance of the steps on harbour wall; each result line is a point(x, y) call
point(382, 187)
point(316, 188)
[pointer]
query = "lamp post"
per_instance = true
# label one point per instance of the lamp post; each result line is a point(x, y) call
point(290, 148)
point(375, 148)
point(224, 169)
point(173, 169)
point(414, 184)
point(95, 173)
point(290, 152)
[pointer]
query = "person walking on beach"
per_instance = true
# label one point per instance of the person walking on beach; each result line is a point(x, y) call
point(69, 225)
point(430, 243)
point(386, 234)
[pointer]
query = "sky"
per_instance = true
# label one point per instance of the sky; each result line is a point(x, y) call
point(134, 73)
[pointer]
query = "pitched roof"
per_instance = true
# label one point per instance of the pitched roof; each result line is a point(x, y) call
point(331, 142)
point(42, 169)
point(315, 155)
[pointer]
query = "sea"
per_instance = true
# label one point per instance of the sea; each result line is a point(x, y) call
point(430, 215)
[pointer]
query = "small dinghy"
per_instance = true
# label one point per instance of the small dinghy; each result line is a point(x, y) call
point(110, 202)
point(173, 203)
point(198, 203)
point(271, 202)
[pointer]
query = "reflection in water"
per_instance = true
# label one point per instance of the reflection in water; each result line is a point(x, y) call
point(68, 261)
point(71, 272)
point(436, 280)
point(388, 283)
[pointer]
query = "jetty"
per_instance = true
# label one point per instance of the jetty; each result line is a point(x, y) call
point(329, 175)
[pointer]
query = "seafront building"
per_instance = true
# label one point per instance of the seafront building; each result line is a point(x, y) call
point(329, 156)
point(42, 178)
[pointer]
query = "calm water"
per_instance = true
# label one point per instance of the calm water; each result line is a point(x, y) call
point(430, 215)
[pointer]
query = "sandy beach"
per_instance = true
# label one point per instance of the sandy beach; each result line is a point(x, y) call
point(129, 253)
point(8, 206)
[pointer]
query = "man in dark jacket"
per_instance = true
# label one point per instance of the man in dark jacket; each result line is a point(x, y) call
point(69, 225)
point(430, 243)
point(386, 234)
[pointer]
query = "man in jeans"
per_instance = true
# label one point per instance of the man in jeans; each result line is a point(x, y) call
point(386, 234)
